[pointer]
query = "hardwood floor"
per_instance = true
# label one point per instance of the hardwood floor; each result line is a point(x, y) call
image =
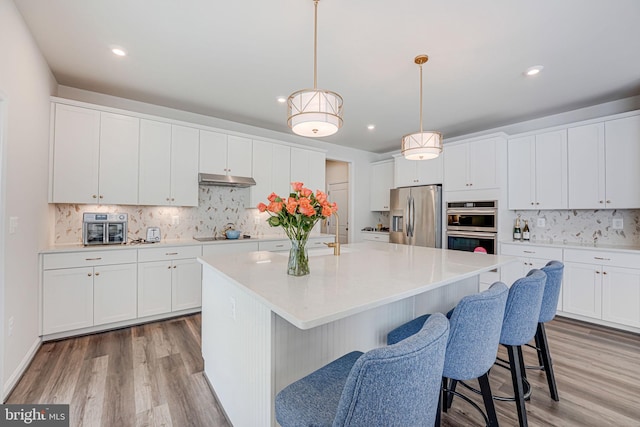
point(151, 375)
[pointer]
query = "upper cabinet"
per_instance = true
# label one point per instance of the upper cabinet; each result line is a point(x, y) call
point(537, 171)
point(381, 184)
point(271, 171)
point(223, 154)
point(603, 160)
point(168, 164)
point(94, 157)
point(308, 167)
point(473, 165)
point(409, 173)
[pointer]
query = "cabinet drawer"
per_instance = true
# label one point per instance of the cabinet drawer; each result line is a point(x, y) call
point(590, 256)
point(319, 241)
point(529, 251)
point(275, 245)
point(169, 253)
point(88, 258)
point(376, 237)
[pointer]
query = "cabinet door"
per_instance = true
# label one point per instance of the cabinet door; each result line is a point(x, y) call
point(521, 172)
point(75, 155)
point(621, 295)
point(239, 156)
point(271, 171)
point(456, 176)
point(154, 186)
point(184, 166)
point(280, 170)
point(213, 152)
point(404, 172)
point(119, 142)
point(114, 290)
point(67, 300)
point(429, 171)
point(308, 167)
point(585, 167)
point(582, 289)
point(154, 288)
point(551, 170)
point(186, 284)
point(514, 270)
point(381, 184)
point(622, 145)
point(482, 167)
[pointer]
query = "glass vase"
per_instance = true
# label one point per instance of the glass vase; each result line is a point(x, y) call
point(298, 258)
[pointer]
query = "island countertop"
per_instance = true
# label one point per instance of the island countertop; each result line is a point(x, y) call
point(364, 276)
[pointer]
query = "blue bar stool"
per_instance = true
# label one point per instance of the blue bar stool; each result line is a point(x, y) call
point(554, 271)
point(476, 324)
point(397, 385)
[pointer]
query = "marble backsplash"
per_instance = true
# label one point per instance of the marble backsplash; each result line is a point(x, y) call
point(217, 207)
point(584, 226)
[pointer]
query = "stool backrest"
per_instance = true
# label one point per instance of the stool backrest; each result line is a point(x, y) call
point(523, 309)
point(474, 335)
point(554, 271)
point(397, 385)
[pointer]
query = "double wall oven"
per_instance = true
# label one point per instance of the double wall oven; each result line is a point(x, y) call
point(472, 226)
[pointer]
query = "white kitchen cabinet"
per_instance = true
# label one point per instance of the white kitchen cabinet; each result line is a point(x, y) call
point(223, 154)
point(308, 167)
point(375, 236)
point(95, 157)
point(537, 171)
point(585, 167)
point(409, 173)
point(381, 185)
point(600, 285)
point(622, 166)
point(271, 171)
point(85, 289)
point(165, 147)
point(275, 245)
point(471, 165)
point(169, 280)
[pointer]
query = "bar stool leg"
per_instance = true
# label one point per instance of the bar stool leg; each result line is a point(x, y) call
point(516, 378)
point(541, 337)
point(487, 397)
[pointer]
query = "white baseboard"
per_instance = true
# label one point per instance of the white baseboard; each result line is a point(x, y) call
point(12, 381)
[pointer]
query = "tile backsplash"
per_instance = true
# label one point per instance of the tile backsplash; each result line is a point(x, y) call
point(217, 207)
point(584, 226)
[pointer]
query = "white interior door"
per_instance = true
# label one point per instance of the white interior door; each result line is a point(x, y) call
point(339, 193)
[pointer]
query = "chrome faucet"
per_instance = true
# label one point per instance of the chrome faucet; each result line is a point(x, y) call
point(336, 244)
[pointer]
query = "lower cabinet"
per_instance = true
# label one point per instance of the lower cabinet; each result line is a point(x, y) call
point(375, 236)
point(82, 290)
point(169, 279)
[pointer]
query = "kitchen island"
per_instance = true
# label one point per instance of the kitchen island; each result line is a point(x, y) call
point(263, 329)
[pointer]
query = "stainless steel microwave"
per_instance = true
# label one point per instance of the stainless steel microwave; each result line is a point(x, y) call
point(104, 228)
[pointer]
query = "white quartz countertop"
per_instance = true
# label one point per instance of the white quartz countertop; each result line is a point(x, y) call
point(364, 276)
point(75, 247)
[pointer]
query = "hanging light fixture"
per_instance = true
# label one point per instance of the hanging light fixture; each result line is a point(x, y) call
point(314, 112)
point(421, 145)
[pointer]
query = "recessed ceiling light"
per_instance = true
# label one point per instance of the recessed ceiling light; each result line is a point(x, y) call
point(281, 99)
point(118, 51)
point(371, 127)
point(532, 71)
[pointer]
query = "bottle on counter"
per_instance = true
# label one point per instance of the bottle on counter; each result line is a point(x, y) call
point(517, 233)
point(525, 231)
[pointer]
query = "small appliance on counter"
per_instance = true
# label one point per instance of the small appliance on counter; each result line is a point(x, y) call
point(104, 228)
point(153, 235)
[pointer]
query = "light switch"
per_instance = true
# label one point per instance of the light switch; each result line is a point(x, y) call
point(542, 222)
point(175, 220)
point(13, 224)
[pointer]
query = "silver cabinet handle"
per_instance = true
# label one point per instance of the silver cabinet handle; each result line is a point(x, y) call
point(529, 252)
point(171, 253)
point(601, 258)
point(93, 259)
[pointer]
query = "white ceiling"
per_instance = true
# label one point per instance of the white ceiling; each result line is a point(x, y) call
point(231, 59)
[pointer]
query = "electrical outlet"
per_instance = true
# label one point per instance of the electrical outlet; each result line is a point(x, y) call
point(617, 224)
point(542, 222)
point(256, 220)
point(13, 224)
point(232, 304)
point(175, 220)
point(10, 332)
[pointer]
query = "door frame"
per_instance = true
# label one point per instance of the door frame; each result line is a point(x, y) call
point(4, 100)
point(350, 232)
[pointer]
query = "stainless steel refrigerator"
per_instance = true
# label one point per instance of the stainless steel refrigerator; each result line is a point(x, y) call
point(416, 216)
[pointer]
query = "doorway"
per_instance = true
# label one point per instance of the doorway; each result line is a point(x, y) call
point(337, 179)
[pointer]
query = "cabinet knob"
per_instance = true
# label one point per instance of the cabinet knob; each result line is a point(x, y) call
point(169, 267)
point(597, 272)
point(604, 272)
point(172, 199)
point(97, 273)
point(537, 203)
point(175, 266)
point(101, 196)
point(601, 201)
point(89, 274)
point(94, 196)
point(608, 201)
point(167, 199)
point(532, 203)
point(471, 184)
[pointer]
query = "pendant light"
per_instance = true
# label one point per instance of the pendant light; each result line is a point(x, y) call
point(421, 145)
point(314, 112)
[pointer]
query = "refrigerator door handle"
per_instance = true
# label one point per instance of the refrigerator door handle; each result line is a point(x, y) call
point(413, 216)
point(408, 217)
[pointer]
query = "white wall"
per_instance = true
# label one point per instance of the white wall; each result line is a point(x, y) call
point(27, 83)
point(360, 160)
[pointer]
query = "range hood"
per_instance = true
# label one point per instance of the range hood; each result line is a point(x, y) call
point(225, 180)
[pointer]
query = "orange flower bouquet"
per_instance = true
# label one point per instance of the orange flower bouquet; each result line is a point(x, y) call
point(297, 215)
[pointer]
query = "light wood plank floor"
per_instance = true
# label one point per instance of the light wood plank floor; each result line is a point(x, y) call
point(151, 375)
